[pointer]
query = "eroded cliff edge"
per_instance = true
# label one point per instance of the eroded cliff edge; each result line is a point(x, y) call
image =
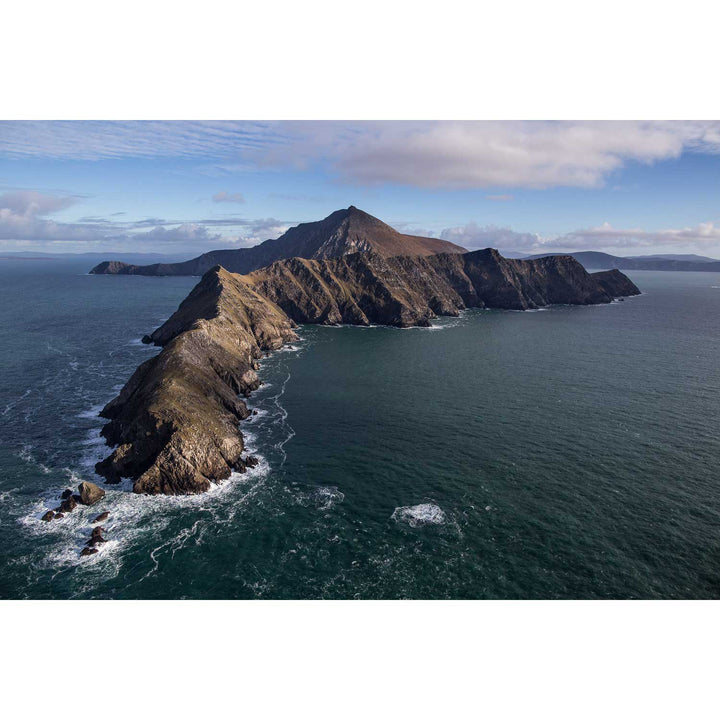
point(175, 423)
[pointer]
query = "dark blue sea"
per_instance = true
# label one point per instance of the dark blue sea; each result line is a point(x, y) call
point(571, 452)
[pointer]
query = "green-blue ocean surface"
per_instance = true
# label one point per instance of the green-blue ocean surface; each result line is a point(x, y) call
point(566, 453)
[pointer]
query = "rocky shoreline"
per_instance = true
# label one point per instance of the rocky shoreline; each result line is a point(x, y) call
point(175, 424)
point(87, 494)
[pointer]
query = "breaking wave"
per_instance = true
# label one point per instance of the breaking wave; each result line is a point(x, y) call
point(419, 515)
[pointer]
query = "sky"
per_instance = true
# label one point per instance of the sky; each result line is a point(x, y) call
point(183, 188)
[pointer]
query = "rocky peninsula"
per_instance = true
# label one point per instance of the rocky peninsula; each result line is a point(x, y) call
point(175, 424)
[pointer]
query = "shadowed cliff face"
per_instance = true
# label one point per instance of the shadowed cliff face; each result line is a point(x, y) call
point(340, 233)
point(366, 288)
point(176, 421)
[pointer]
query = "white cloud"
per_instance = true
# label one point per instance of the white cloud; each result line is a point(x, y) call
point(482, 154)
point(24, 223)
point(187, 233)
point(22, 217)
point(473, 237)
point(704, 236)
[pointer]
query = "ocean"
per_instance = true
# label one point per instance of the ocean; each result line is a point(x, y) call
point(570, 452)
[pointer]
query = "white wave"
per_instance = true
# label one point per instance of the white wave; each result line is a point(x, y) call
point(26, 455)
point(134, 516)
point(92, 413)
point(256, 414)
point(326, 497)
point(419, 515)
point(140, 345)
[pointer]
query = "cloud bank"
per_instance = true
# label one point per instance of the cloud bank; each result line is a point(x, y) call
point(704, 236)
point(451, 155)
point(23, 223)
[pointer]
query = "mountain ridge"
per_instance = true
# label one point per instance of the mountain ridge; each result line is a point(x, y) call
point(343, 232)
point(595, 260)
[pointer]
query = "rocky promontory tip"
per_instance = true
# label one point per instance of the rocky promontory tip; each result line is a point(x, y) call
point(175, 423)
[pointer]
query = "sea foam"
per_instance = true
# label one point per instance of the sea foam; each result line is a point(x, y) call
point(419, 515)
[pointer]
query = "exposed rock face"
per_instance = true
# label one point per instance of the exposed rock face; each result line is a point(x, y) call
point(102, 516)
point(340, 233)
point(176, 420)
point(175, 423)
point(615, 283)
point(67, 505)
point(90, 493)
point(366, 288)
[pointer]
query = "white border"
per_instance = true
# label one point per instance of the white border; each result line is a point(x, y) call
point(380, 59)
point(386, 60)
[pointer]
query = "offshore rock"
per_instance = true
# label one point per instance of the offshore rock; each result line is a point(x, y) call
point(90, 493)
point(67, 505)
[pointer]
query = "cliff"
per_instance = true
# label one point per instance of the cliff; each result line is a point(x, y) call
point(175, 423)
point(176, 420)
point(340, 233)
point(366, 288)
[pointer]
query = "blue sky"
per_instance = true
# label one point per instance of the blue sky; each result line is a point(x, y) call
point(188, 187)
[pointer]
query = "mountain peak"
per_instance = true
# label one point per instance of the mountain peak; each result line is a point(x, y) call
point(343, 232)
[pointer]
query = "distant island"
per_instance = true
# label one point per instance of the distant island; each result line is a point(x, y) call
point(685, 263)
point(175, 424)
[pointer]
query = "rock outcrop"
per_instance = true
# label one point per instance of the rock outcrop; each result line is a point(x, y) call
point(341, 233)
point(175, 423)
point(366, 288)
point(90, 493)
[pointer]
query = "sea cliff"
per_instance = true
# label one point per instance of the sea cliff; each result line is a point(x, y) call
point(175, 424)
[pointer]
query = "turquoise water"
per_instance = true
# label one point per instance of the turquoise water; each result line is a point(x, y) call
point(565, 453)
